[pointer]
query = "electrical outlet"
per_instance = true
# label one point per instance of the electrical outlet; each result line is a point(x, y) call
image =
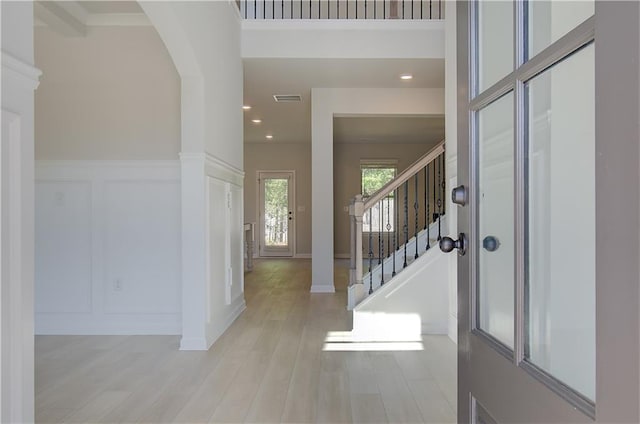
point(117, 284)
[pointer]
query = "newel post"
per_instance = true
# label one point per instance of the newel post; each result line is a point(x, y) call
point(358, 212)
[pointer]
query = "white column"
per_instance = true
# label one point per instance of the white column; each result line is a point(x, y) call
point(19, 80)
point(321, 193)
point(203, 39)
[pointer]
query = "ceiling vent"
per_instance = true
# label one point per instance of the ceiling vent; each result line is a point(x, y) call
point(287, 97)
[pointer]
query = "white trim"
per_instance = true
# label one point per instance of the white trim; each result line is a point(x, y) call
point(323, 288)
point(193, 343)
point(343, 24)
point(260, 207)
point(212, 337)
point(24, 73)
point(46, 164)
point(215, 167)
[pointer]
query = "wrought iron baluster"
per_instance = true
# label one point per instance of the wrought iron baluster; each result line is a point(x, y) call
point(281, 9)
point(389, 226)
point(381, 242)
point(412, 9)
point(365, 8)
point(395, 230)
point(430, 9)
point(379, 232)
point(444, 184)
point(426, 224)
point(439, 201)
point(356, 8)
point(427, 221)
point(264, 9)
point(435, 215)
point(370, 253)
point(406, 220)
point(416, 206)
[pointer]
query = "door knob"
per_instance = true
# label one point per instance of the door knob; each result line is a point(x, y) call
point(447, 244)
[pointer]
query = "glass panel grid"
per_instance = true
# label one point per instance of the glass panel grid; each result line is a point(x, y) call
point(560, 289)
point(495, 221)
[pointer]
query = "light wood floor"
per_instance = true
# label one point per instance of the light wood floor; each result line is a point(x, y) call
point(269, 366)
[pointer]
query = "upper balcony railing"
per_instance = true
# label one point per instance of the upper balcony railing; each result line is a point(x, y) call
point(341, 9)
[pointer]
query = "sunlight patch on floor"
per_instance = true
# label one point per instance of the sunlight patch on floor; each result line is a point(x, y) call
point(343, 341)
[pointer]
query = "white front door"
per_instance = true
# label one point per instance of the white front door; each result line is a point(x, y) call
point(547, 143)
point(276, 213)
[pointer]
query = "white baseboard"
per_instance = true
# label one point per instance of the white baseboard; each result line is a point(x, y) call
point(193, 343)
point(219, 330)
point(111, 325)
point(325, 288)
point(439, 328)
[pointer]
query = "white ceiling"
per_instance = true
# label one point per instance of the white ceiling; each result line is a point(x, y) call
point(291, 122)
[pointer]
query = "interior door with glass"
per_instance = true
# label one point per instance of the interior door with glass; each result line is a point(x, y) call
point(528, 156)
point(276, 213)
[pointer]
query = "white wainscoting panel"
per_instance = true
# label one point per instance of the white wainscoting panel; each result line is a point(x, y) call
point(142, 247)
point(63, 247)
point(108, 247)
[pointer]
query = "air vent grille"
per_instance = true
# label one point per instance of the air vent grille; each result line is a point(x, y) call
point(287, 97)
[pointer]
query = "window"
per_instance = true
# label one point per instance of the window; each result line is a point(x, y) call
point(373, 176)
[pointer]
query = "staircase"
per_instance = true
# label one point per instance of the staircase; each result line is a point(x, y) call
point(410, 215)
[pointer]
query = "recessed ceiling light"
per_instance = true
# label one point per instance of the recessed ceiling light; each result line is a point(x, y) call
point(406, 76)
point(246, 107)
point(256, 121)
point(269, 136)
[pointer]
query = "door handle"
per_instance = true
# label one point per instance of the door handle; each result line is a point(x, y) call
point(447, 244)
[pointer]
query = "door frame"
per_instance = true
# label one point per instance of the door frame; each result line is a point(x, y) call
point(617, 90)
point(292, 199)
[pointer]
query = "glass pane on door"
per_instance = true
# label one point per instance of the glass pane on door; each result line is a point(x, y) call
point(561, 224)
point(276, 212)
point(550, 20)
point(495, 41)
point(496, 220)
